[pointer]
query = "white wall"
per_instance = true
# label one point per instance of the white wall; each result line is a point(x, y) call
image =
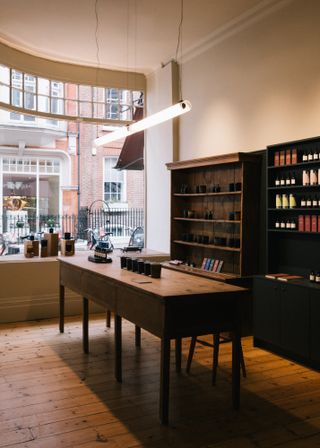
point(257, 85)
point(159, 150)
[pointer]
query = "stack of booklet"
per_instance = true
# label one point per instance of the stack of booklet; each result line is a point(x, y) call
point(284, 277)
point(211, 264)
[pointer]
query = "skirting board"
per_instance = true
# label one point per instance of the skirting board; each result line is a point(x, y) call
point(22, 308)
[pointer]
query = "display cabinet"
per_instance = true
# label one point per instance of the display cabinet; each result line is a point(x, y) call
point(214, 215)
point(293, 207)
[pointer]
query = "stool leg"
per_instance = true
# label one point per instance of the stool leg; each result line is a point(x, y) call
point(242, 363)
point(108, 318)
point(216, 346)
point(191, 351)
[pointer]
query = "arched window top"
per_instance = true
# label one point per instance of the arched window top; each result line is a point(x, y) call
point(29, 94)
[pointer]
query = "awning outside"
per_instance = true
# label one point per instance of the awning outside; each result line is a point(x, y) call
point(131, 156)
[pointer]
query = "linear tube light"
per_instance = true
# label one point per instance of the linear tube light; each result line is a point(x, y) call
point(166, 114)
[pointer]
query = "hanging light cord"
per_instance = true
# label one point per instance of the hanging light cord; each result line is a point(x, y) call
point(97, 32)
point(179, 45)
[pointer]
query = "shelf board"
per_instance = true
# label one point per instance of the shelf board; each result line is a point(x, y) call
point(292, 166)
point(228, 221)
point(293, 231)
point(292, 187)
point(297, 209)
point(220, 193)
point(219, 276)
point(208, 246)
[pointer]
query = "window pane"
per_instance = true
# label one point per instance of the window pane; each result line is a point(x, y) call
point(85, 93)
point(112, 111)
point(29, 83)
point(16, 99)
point(29, 101)
point(98, 94)
point(57, 89)
point(125, 112)
point(85, 109)
point(98, 110)
point(4, 75)
point(16, 78)
point(43, 103)
point(57, 106)
point(49, 195)
point(4, 94)
point(71, 91)
point(43, 86)
point(112, 95)
point(71, 108)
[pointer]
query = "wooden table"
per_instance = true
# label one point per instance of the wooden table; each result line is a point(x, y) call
point(176, 305)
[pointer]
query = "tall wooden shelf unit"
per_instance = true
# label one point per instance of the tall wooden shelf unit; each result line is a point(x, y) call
point(214, 214)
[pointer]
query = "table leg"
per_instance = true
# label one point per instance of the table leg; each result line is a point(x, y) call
point(178, 355)
point(164, 381)
point(118, 347)
point(138, 336)
point(85, 325)
point(236, 348)
point(61, 304)
point(108, 319)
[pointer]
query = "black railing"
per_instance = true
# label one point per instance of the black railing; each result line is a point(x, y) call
point(120, 222)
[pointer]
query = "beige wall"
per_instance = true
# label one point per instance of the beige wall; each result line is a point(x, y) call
point(30, 290)
point(257, 85)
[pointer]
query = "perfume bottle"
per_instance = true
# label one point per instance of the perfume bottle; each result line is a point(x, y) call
point(313, 177)
point(282, 225)
point(314, 201)
point(312, 276)
point(303, 202)
point(277, 224)
point(288, 179)
point(293, 179)
point(288, 224)
point(277, 181)
point(308, 202)
point(293, 225)
point(304, 157)
point(310, 156)
point(278, 201)
point(285, 201)
point(292, 201)
point(282, 180)
point(317, 278)
point(315, 155)
point(306, 177)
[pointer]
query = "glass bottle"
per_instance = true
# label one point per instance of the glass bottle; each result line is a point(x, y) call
point(292, 201)
point(277, 181)
point(310, 156)
point(313, 177)
point(288, 225)
point(293, 225)
point(293, 179)
point(282, 225)
point(306, 177)
point(288, 179)
point(285, 201)
point(315, 155)
point(314, 201)
point(308, 202)
point(303, 202)
point(312, 276)
point(277, 224)
point(282, 180)
point(278, 201)
point(304, 157)
point(317, 279)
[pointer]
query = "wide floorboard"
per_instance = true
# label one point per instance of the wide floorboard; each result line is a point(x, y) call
point(52, 395)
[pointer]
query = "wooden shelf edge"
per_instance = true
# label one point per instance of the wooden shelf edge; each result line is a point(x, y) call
point(214, 160)
point(220, 193)
point(209, 246)
point(228, 221)
point(219, 276)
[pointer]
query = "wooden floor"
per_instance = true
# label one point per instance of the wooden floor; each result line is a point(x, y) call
point(52, 395)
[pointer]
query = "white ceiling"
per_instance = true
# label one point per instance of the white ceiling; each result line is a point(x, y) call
point(138, 35)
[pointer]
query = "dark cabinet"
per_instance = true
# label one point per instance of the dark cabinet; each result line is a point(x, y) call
point(286, 319)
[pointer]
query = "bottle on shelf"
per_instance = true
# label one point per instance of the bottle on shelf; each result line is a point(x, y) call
point(292, 201)
point(288, 179)
point(313, 177)
point(282, 180)
point(277, 181)
point(293, 225)
point(317, 279)
point(310, 156)
point(293, 179)
point(278, 201)
point(288, 224)
point(277, 224)
point(305, 157)
point(282, 225)
point(315, 155)
point(285, 201)
point(306, 177)
point(303, 202)
point(308, 202)
point(312, 276)
point(315, 201)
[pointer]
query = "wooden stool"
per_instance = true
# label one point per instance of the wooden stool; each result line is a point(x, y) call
point(217, 340)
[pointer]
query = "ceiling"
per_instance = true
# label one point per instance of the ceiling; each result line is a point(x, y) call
point(137, 35)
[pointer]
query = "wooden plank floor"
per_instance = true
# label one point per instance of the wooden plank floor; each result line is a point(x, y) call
point(52, 395)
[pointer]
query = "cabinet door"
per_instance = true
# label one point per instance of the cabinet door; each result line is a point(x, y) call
point(295, 320)
point(267, 310)
point(315, 326)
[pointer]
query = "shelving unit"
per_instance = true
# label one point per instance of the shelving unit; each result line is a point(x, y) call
point(285, 313)
point(291, 250)
point(214, 214)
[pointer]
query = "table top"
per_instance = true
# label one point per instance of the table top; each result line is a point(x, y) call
point(171, 283)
